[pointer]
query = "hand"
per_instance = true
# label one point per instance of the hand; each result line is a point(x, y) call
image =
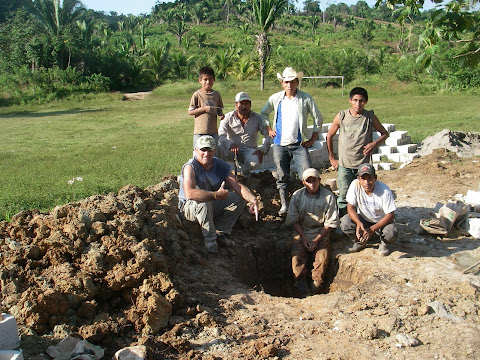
point(222, 193)
point(254, 209)
point(234, 148)
point(334, 163)
point(221, 117)
point(259, 154)
point(272, 133)
point(307, 143)
point(210, 109)
point(368, 149)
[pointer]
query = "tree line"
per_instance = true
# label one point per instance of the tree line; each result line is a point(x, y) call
point(50, 48)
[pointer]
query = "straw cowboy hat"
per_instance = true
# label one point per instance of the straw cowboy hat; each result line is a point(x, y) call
point(289, 74)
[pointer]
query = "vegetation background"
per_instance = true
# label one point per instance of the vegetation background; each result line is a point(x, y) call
point(67, 135)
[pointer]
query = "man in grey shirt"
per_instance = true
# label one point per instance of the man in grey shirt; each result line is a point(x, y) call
point(238, 135)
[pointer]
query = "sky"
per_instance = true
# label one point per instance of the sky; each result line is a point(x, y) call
point(138, 7)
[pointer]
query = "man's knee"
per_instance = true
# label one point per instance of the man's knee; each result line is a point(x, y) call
point(389, 233)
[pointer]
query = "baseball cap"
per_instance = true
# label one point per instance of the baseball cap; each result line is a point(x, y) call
point(310, 172)
point(205, 142)
point(242, 96)
point(366, 169)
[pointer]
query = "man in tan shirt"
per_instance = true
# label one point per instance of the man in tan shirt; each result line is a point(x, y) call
point(312, 213)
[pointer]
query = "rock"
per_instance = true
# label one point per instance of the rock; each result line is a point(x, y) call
point(132, 353)
point(406, 340)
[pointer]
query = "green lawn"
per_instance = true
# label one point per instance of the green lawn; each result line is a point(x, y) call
point(110, 143)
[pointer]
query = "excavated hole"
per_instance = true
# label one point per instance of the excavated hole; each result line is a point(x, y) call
point(266, 266)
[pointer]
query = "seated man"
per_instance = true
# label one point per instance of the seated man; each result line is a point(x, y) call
point(238, 133)
point(312, 213)
point(370, 211)
point(203, 198)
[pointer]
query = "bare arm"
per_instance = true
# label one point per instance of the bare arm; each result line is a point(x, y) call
point(244, 192)
point(189, 187)
point(201, 110)
point(369, 148)
point(310, 142)
point(331, 133)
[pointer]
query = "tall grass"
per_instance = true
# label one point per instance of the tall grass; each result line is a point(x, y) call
point(109, 143)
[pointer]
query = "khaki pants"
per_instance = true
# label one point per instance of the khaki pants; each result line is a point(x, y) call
point(300, 257)
point(216, 215)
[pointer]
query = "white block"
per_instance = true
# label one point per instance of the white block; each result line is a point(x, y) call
point(376, 157)
point(402, 158)
point(386, 149)
point(9, 339)
point(389, 127)
point(400, 134)
point(409, 148)
point(385, 166)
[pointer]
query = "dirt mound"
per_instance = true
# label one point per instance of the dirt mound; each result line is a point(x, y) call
point(464, 144)
point(123, 269)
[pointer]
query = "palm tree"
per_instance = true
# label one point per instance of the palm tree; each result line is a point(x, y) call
point(265, 13)
point(197, 13)
point(158, 62)
point(178, 29)
point(55, 17)
point(314, 20)
point(243, 68)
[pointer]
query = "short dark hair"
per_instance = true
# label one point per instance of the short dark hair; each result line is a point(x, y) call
point(359, 91)
point(206, 70)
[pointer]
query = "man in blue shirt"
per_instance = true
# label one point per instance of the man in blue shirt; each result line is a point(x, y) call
point(203, 197)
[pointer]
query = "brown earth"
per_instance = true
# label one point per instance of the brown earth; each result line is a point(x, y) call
point(122, 269)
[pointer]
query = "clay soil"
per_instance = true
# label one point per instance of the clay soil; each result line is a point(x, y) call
point(123, 269)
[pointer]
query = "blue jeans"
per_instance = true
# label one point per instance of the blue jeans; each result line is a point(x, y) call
point(345, 176)
point(282, 155)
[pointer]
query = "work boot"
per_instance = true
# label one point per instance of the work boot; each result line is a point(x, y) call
point(316, 287)
point(284, 200)
point(223, 240)
point(212, 248)
point(301, 288)
point(357, 246)
point(383, 249)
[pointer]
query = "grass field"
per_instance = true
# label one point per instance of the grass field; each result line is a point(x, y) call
point(109, 143)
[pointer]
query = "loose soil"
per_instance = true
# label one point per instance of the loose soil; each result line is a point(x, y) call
point(123, 269)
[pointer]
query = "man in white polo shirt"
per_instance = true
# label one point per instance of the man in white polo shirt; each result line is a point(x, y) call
point(289, 131)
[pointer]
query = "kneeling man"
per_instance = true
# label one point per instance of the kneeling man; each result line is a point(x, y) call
point(312, 213)
point(370, 211)
point(238, 135)
point(203, 198)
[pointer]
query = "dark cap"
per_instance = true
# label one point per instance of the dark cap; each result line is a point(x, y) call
point(366, 169)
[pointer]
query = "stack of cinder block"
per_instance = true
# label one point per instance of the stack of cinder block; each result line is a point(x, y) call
point(396, 149)
point(9, 339)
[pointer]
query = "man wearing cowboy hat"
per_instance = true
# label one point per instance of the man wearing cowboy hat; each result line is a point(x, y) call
point(289, 129)
point(238, 133)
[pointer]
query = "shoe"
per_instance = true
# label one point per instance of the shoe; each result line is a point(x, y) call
point(357, 247)
point(383, 250)
point(212, 248)
point(224, 241)
point(316, 287)
point(284, 200)
point(301, 288)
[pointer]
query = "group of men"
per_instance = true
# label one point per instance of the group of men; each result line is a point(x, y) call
point(364, 209)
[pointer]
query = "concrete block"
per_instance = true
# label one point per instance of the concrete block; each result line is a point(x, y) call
point(11, 355)
point(384, 166)
point(326, 127)
point(376, 157)
point(386, 149)
point(400, 134)
point(409, 148)
point(9, 339)
point(402, 157)
point(389, 127)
